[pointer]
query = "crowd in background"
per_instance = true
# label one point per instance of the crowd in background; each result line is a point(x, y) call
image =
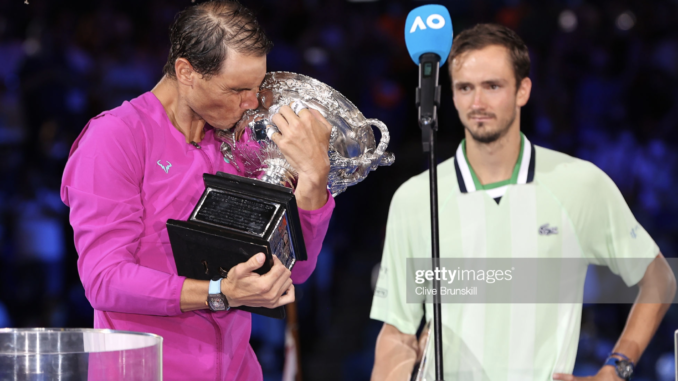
point(605, 77)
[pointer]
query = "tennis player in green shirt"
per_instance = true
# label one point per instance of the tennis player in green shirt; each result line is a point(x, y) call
point(501, 196)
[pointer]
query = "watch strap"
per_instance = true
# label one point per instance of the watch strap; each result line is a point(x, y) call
point(214, 292)
point(622, 356)
point(215, 286)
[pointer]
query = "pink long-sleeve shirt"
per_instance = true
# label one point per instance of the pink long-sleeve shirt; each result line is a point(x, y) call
point(128, 172)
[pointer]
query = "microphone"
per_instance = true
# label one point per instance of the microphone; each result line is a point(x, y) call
point(428, 36)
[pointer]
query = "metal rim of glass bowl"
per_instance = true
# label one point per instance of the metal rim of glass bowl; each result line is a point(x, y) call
point(75, 330)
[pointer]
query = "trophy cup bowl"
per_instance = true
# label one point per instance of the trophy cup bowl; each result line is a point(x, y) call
point(353, 150)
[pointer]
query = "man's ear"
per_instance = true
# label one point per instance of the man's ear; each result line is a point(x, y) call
point(524, 92)
point(184, 71)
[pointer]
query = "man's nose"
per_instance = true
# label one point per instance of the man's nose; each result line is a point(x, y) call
point(250, 100)
point(478, 100)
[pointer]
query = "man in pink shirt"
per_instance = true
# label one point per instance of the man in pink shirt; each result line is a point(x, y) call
point(136, 166)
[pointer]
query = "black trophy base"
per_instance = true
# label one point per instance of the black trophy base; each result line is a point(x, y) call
point(205, 253)
point(235, 219)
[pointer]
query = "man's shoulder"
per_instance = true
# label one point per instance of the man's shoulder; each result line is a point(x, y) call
point(124, 127)
point(130, 113)
point(565, 175)
point(415, 191)
point(556, 164)
point(127, 121)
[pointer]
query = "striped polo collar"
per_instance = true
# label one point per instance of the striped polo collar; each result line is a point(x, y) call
point(523, 172)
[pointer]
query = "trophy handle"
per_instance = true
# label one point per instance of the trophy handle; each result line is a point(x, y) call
point(345, 171)
point(380, 156)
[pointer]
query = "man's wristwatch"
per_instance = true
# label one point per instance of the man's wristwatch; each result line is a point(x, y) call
point(623, 366)
point(216, 300)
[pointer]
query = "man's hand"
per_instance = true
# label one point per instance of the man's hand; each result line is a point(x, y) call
point(243, 287)
point(606, 373)
point(304, 140)
point(395, 355)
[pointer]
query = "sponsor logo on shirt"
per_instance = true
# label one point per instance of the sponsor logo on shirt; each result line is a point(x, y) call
point(547, 230)
point(166, 169)
point(634, 230)
point(381, 292)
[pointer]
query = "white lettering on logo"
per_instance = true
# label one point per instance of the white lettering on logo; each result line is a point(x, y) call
point(418, 22)
point(435, 21)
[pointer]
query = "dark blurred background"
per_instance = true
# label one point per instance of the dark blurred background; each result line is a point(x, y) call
point(605, 77)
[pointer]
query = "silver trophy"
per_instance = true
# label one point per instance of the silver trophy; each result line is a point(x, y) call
point(353, 150)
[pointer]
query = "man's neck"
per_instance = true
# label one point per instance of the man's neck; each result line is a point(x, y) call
point(180, 114)
point(494, 162)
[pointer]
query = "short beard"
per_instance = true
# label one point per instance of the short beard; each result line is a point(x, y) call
point(492, 137)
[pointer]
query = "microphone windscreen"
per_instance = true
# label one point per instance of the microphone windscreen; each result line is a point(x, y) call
point(428, 29)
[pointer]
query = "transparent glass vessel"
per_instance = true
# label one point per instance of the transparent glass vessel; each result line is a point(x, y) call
point(79, 354)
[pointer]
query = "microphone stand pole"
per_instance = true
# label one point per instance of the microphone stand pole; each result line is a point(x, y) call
point(428, 100)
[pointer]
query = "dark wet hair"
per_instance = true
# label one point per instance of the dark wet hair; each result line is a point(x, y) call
point(204, 33)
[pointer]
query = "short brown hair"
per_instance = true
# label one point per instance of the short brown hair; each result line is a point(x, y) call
point(203, 33)
point(483, 35)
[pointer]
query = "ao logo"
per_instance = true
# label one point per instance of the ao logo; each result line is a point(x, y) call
point(434, 21)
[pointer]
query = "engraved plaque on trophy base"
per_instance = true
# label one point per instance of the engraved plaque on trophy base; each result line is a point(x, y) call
point(236, 218)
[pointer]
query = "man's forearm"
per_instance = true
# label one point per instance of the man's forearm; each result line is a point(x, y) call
point(126, 286)
point(657, 289)
point(640, 328)
point(311, 192)
point(194, 295)
point(314, 225)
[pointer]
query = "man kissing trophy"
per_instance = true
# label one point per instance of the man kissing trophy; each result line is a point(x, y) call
point(240, 216)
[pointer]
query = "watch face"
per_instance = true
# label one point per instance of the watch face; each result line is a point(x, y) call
point(216, 302)
point(624, 369)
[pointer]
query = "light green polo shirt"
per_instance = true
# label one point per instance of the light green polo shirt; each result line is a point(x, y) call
point(586, 217)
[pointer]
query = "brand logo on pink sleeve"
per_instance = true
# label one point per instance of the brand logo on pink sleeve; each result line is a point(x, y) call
point(166, 169)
